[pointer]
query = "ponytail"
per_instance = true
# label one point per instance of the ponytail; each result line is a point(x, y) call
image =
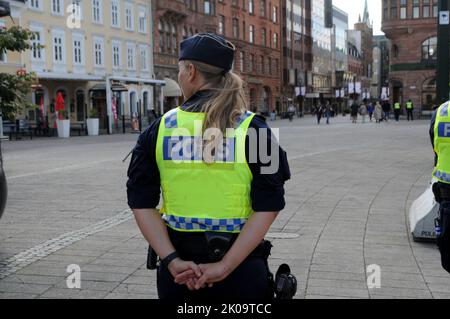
point(228, 100)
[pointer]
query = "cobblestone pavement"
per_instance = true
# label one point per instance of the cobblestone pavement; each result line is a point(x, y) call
point(347, 202)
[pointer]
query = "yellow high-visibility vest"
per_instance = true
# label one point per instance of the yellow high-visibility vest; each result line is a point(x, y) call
point(199, 197)
point(442, 143)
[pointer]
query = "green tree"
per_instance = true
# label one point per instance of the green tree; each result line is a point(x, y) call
point(15, 88)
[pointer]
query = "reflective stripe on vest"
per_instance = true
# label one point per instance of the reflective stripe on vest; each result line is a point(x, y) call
point(442, 144)
point(200, 197)
point(205, 224)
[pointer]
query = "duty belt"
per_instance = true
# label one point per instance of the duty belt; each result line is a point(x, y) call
point(208, 247)
point(444, 191)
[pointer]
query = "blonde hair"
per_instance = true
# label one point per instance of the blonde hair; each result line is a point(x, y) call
point(228, 100)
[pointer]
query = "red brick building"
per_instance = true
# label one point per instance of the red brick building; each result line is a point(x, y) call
point(254, 26)
point(412, 28)
point(173, 21)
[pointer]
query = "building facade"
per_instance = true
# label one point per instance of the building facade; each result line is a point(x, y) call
point(322, 66)
point(411, 26)
point(97, 53)
point(254, 27)
point(175, 20)
point(296, 52)
point(341, 75)
point(380, 74)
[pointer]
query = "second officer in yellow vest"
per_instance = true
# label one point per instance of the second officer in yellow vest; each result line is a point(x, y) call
point(218, 201)
point(409, 110)
point(440, 138)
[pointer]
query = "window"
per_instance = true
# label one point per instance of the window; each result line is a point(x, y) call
point(142, 19)
point(251, 64)
point(168, 37)
point(116, 52)
point(36, 52)
point(77, 9)
point(416, 9)
point(115, 17)
point(36, 4)
point(251, 35)
point(262, 8)
point(241, 61)
point(209, 7)
point(222, 24)
point(235, 28)
point(97, 14)
point(174, 39)
point(263, 37)
point(161, 36)
point(2, 57)
point(395, 51)
point(403, 9)
point(143, 58)
point(129, 17)
point(275, 40)
point(426, 10)
point(78, 49)
point(261, 63)
point(57, 7)
point(393, 9)
point(429, 49)
point(251, 6)
point(131, 56)
point(275, 14)
point(58, 47)
point(269, 65)
point(98, 52)
point(435, 11)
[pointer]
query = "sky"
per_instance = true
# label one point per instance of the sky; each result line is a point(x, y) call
point(354, 8)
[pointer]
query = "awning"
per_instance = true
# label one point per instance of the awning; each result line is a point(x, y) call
point(118, 87)
point(172, 89)
point(99, 87)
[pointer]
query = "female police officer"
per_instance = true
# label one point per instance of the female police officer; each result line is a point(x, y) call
point(218, 204)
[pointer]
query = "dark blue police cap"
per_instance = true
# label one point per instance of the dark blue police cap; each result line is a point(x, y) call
point(208, 48)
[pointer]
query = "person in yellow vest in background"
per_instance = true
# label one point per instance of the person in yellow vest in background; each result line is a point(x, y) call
point(409, 110)
point(397, 109)
point(219, 199)
point(440, 139)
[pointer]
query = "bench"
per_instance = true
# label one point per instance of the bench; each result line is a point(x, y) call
point(78, 127)
point(18, 130)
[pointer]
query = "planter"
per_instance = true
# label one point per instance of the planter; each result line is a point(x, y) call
point(92, 126)
point(63, 128)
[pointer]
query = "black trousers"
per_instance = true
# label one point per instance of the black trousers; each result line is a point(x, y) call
point(410, 115)
point(442, 194)
point(397, 115)
point(250, 281)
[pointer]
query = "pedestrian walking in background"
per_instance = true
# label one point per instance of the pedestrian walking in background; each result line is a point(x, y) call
point(328, 110)
point(409, 110)
point(386, 110)
point(354, 112)
point(397, 109)
point(370, 109)
point(378, 112)
point(319, 113)
point(363, 112)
